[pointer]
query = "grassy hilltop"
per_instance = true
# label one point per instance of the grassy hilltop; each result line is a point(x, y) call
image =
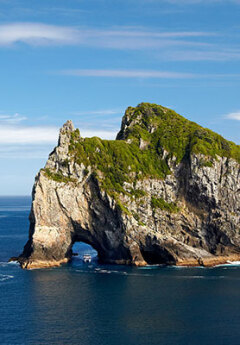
point(164, 133)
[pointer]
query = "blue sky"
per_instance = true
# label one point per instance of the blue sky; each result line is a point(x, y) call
point(89, 60)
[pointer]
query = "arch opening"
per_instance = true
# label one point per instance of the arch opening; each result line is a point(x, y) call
point(81, 249)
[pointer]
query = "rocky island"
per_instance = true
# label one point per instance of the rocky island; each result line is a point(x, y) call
point(166, 191)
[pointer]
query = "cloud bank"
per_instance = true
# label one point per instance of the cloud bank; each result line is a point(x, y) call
point(27, 135)
point(125, 38)
point(112, 73)
point(172, 45)
point(43, 135)
point(11, 119)
point(233, 116)
point(37, 34)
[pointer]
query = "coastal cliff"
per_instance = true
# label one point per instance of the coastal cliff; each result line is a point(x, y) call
point(166, 191)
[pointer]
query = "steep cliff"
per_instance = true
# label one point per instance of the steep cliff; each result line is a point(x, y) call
point(166, 191)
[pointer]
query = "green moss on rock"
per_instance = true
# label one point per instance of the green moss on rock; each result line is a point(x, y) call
point(163, 205)
point(118, 161)
point(58, 177)
point(122, 208)
point(205, 163)
point(164, 128)
point(137, 193)
point(170, 138)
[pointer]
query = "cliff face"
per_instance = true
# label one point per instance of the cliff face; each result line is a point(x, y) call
point(165, 192)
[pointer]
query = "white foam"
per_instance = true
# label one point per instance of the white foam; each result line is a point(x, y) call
point(229, 264)
point(4, 277)
point(200, 277)
point(235, 263)
point(13, 263)
point(150, 267)
point(104, 271)
point(5, 263)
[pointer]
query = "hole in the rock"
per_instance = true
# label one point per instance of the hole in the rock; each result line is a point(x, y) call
point(157, 256)
point(81, 250)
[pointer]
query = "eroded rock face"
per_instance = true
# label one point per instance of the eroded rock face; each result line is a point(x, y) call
point(72, 206)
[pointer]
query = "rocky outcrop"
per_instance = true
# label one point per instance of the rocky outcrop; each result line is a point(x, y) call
point(191, 216)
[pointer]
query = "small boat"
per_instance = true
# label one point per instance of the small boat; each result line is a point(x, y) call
point(87, 258)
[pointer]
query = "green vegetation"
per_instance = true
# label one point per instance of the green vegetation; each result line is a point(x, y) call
point(206, 163)
point(163, 205)
point(136, 216)
point(141, 223)
point(121, 207)
point(177, 135)
point(118, 162)
point(57, 176)
point(138, 193)
point(168, 134)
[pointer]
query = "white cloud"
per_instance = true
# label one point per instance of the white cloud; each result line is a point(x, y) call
point(37, 142)
point(110, 135)
point(18, 141)
point(11, 119)
point(126, 74)
point(233, 116)
point(126, 32)
point(124, 38)
point(13, 135)
point(138, 39)
point(204, 55)
point(25, 151)
point(98, 112)
point(173, 45)
point(151, 74)
point(37, 34)
point(23, 135)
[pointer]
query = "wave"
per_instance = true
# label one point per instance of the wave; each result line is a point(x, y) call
point(4, 277)
point(6, 263)
point(107, 271)
point(3, 263)
point(234, 263)
point(151, 267)
point(230, 264)
point(13, 263)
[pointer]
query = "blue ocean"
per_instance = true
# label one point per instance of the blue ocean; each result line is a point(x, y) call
point(92, 304)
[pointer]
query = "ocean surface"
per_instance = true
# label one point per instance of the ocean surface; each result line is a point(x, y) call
point(92, 304)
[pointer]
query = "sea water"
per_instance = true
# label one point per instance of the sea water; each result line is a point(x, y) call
point(92, 304)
